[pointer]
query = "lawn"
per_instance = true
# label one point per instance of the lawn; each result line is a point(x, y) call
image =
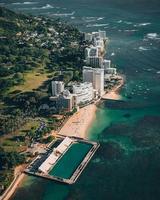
point(32, 80)
point(10, 144)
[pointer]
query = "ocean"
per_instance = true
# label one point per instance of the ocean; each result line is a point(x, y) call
point(127, 164)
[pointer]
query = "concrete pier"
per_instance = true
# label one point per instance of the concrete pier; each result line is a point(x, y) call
point(78, 170)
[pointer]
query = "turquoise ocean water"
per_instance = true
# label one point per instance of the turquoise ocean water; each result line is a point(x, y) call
point(127, 164)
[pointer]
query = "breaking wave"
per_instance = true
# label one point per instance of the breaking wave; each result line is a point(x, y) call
point(153, 36)
point(63, 14)
point(96, 25)
point(25, 3)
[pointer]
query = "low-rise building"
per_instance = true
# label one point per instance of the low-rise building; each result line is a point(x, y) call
point(106, 64)
point(88, 37)
point(111, 71)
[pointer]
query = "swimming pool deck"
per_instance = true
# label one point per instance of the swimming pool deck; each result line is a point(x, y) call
point(75, 175)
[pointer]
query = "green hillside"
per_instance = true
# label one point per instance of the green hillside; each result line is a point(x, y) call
point(29, 43)
point(33, 50)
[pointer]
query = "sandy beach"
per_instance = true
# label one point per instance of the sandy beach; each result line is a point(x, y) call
point(78, 124)
point(114, 93)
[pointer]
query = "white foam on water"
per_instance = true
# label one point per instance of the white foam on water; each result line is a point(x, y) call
point(113, 54)
point(149, 69)
point(142, 24)
point(100, 18)
point(29, 2)
point(143, 48)
point(25, 3)
point(47, 6)
point(92, 19)
point(153, 36)
point(63, 14)
point(126, 22)
point(96, 25)
point(89, 19)
point(133, 30)
point(119, 21)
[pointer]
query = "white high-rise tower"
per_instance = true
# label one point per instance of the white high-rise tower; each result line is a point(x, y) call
point(57, 87)
point(96, 77)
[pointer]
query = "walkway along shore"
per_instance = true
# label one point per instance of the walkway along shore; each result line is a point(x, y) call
point(76, 125)
point(13, 186)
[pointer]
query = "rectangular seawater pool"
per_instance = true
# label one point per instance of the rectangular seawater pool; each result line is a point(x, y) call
point(69, 162)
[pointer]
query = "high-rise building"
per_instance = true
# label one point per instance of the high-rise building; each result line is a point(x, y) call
point(83, 92)
point(96, 77)
point(95, 61)
point(65, 101)
point(93, 56)
point(57, 87)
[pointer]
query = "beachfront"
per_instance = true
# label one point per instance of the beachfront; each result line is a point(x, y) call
point(78, 124)
point(113, 94)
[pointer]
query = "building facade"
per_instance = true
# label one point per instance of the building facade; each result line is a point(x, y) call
point(96, 77)
point(95, 61)
point(111, 71)
point(88, 37)
point(83, 92)
point(106, 64)
point(65, 102)
point(57, 87)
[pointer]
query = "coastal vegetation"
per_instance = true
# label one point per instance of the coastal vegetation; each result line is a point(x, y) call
point(34, 50)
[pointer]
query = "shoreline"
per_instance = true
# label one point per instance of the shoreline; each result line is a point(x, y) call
point(19, 177)
point(77, 125)
point(113, 94)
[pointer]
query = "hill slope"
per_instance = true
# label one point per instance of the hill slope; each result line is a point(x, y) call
point(31, 42)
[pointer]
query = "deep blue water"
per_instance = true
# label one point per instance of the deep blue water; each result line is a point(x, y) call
point(127, 163)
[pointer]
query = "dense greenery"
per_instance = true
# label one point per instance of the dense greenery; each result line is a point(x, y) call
point(34, 43)
point(35, 48)
point(31, 42)
point(8, 160)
